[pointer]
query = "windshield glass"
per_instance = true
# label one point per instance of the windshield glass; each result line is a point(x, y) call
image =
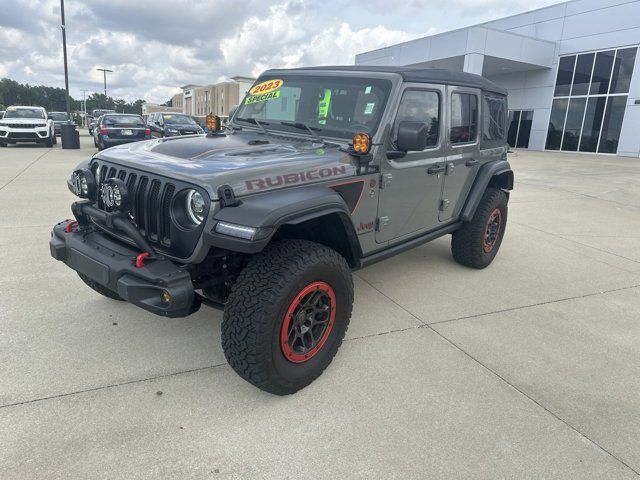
point(97, 113)
point(332, 106)
point(58, 116)
point(24, 113)
point(172, 119)
point(123, 120)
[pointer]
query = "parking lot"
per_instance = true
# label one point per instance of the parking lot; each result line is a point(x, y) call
point(527, 369)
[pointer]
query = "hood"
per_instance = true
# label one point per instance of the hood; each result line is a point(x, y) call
point(13, 121)
point(249, 162)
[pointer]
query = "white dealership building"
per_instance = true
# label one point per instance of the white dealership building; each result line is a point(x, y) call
point(569, 70)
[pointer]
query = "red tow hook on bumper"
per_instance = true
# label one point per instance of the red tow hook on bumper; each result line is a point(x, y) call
point(69, 227)
point(140, 259)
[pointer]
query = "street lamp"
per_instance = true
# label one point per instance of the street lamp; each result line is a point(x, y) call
point(68, 135)
point(104, 72)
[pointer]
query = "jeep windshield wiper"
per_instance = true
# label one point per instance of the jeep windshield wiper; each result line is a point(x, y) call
point(304, 126)
point(259, 124)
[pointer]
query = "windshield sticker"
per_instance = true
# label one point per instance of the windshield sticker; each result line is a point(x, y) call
point(266, 87)
point(323, 107)
point(262, 98)
point(368, 109)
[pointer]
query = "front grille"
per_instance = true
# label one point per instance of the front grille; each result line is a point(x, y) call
point(26, 125)
point(150, 199)
point(22, 135)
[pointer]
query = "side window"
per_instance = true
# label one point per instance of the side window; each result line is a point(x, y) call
point(420, 106)
point(494, 113)
point(464, 118)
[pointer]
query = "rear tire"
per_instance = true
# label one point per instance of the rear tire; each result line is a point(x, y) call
point(287, 314)
point(100, 146)
point(101, 289)
point(476, 244)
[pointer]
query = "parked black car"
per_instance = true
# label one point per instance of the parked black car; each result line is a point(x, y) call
point(168, 124)
point(118, 128)
point(59, 118)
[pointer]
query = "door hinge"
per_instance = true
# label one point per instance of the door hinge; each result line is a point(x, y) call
point(449, 169)
point(444, 204)
point(381, 223)
point(385, 180)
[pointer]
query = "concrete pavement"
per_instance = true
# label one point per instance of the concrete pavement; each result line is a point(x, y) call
point(527, 369)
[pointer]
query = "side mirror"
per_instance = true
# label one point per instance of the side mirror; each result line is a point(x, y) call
point(49, 117)
point(412, 136)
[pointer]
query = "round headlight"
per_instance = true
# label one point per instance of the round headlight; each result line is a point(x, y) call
point(82, 183)
point(114, 195)
point(195, 207)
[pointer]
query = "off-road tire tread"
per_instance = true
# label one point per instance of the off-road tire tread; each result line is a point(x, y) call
point(246, 325)
point(466, 243)
point(101, 289)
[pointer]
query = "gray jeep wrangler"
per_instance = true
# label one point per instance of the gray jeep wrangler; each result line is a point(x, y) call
point(319, 172)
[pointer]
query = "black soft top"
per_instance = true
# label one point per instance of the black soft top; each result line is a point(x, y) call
point(411, 74)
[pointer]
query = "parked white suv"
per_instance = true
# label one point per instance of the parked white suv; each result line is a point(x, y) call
point(27, 124)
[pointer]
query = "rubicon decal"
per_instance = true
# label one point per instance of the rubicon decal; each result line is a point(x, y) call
point(293, 178)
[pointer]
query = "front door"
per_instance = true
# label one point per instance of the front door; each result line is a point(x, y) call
point(463, 152)
point(410, 186)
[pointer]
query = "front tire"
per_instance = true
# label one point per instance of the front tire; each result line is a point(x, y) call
point(101, 289)
point(476, 244)
point(48, 142)
point(287, 315)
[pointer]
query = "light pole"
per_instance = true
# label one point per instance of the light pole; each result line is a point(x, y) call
point(64, 54)
point(104, 72)
point(84, 107)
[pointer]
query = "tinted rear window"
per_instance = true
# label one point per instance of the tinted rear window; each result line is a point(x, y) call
point(122, 120)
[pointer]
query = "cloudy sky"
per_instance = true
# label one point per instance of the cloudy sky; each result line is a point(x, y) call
point(154, 47)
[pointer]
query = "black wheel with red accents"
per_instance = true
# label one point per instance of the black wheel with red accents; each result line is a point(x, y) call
point(287, 315)
point(477, 242)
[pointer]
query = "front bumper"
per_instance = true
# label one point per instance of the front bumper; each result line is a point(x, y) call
point(40, 134)
point(111, 263)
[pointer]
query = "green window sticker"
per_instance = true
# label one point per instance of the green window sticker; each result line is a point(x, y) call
point(262, 98)
point(323, 107)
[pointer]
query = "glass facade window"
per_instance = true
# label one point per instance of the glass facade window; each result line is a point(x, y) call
point(519, 128)
point(589, 102)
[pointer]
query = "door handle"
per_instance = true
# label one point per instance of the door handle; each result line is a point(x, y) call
point(471, 162)
point(436, 169)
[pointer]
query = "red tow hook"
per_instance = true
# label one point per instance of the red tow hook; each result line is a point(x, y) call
point(69, 227)
point(140, 259)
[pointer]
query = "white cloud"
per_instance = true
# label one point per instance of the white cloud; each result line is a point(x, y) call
point(155, 48)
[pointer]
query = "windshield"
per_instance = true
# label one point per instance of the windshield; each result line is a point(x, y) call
point(24, 113)
point(58, 116)
point(97, 113)
point(178, 120)
point(332, 106)
point(123, 120)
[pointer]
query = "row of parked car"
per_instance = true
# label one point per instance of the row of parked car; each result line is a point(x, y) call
point(27, 124)
point(109, 128)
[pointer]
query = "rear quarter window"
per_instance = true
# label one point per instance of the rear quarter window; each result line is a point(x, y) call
point(494, 121)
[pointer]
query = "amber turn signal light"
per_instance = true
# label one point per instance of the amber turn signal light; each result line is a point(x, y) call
point(213, 123)
point(361, 143)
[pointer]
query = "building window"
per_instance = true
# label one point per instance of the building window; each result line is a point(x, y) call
point(589, 101)
point(519, 128)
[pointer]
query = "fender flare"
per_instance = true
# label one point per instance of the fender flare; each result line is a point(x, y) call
point(484, 178)
point(271, 210)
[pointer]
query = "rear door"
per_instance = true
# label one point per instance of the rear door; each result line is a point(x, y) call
point(410, 186)
point(463, 149)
